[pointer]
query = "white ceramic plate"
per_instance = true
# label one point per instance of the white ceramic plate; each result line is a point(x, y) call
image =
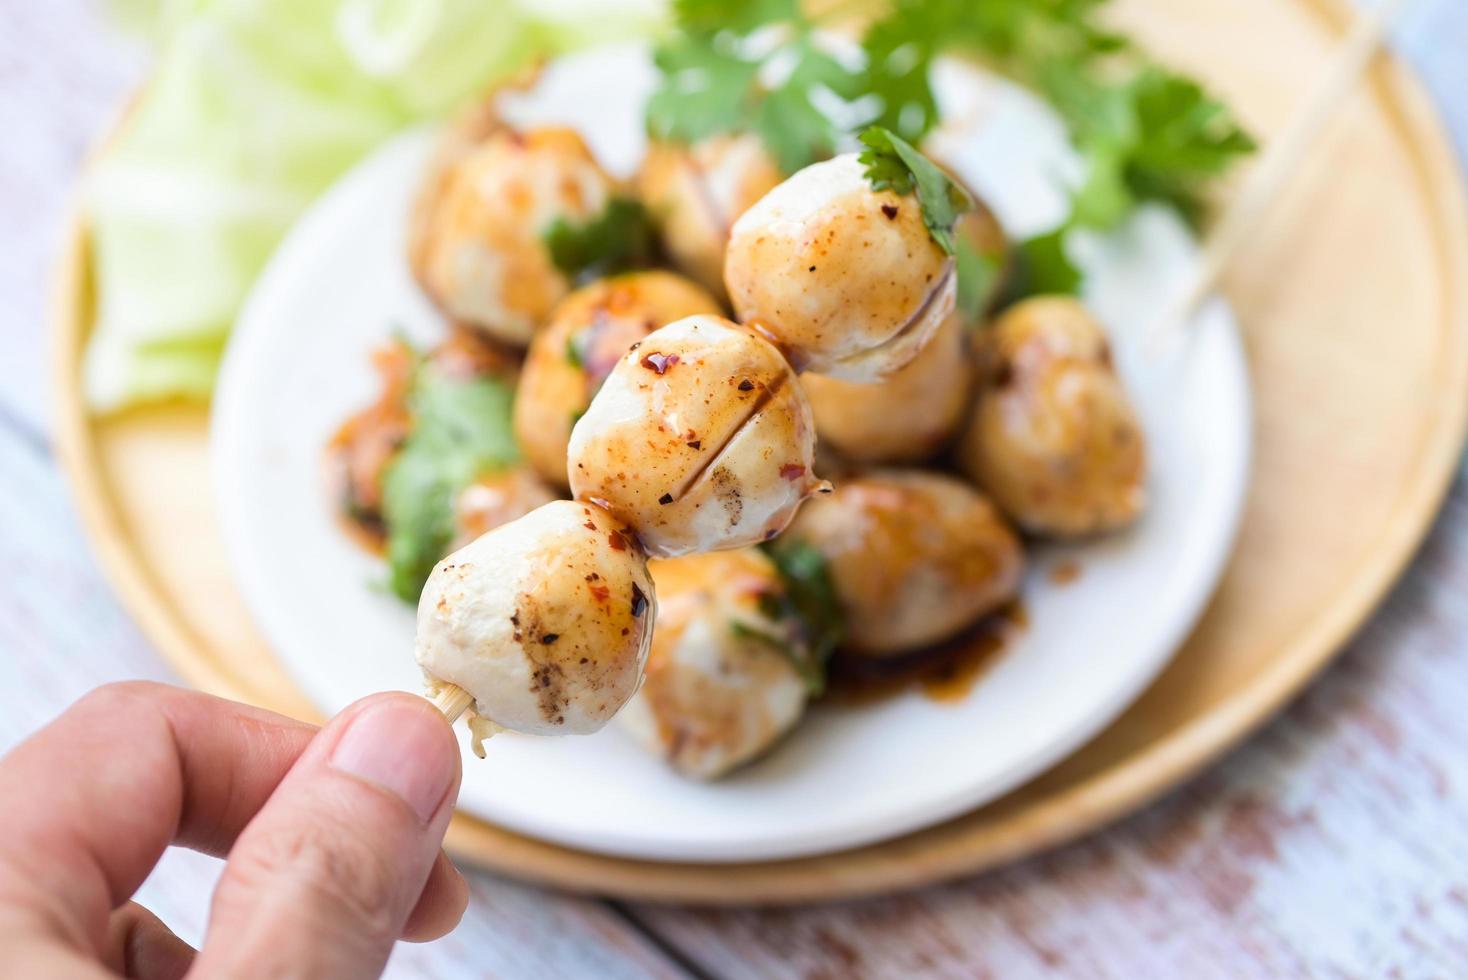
point(298, 364)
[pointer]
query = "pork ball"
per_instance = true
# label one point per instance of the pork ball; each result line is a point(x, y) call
point(907, 417)
point(701, 439)
point(696, 192)
point(544, 621)
point(588, 333)
point(718, 690)
point(1053, 437)
point(847, 278)
point(481, 254)
point(914, 556)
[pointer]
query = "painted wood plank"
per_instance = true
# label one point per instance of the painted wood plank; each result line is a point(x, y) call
point(61, 634)
point(64, 73)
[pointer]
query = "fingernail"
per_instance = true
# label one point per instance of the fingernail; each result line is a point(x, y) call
point(401, 748)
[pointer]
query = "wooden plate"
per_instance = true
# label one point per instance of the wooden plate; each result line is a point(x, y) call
point(1353, 300)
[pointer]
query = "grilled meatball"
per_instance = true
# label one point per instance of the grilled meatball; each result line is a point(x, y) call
point(1053, 437)
point(480, 249)
point(696, 193)
point(847, 278)
point(718, 689)
point(544, 621)
point(701, 439)
point(589, 332)
point(914, 556)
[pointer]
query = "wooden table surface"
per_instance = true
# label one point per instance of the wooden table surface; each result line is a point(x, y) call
point(1334, 844)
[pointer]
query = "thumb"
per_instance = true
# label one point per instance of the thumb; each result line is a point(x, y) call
point(320, 883)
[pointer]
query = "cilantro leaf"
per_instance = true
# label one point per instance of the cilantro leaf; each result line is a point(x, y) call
point(893, 164)
point(1143, 133)
point(461, 431)
point(978, 280)
point(1154, 135)
point(809, 601)
point(1043, 267)
point(705, 90)
point(619, 238)
point(740, 16)
point(717, 78)
point(811, 672)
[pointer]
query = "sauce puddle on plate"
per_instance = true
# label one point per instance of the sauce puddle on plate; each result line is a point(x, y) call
point(945, 673)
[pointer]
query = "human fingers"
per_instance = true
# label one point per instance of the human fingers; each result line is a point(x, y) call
point(93, 798)
point(140, 945)
point(322, 881)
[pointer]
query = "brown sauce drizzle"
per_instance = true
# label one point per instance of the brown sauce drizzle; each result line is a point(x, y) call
point(945, 673)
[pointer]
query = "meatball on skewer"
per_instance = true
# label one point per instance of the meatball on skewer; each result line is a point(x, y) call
point(914, 413)
point(587, 335)
point(701, 438)
point(847, 278)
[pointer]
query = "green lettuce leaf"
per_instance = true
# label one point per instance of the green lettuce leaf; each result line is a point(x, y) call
point(253, 109)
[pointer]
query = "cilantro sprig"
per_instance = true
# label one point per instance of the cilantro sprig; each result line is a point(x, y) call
point(892, 164)
point(756, 67)
point(619, 238)
point(808, 605)
point(461, 431)
point(1144, 133)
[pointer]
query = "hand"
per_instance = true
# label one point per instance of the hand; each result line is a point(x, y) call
point(332, 835)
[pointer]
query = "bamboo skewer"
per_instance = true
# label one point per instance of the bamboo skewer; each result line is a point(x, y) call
point(1278, 163)
point(453, 701)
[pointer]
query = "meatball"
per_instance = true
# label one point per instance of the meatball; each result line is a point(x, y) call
point(481, 254)
point(915, 557)
point(545, 621)
point(588, 333)
point(847, 278)
point(718, 689)
point(1053, 437)
point(905, 418)
point(459, 137)
point(496, 499)
point(701, 438)
point(696, 193)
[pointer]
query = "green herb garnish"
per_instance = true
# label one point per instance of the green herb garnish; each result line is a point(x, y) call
point(461, 431)
point(1043, 267)
point(893, 164)
point(619, 238)
point(751, 67)
point(978, 280)
point(1143, 133)
point(808, 602)
point(575, 355)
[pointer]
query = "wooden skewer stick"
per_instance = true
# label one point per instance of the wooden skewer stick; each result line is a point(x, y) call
point(1279, 161)
point(453, 701)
